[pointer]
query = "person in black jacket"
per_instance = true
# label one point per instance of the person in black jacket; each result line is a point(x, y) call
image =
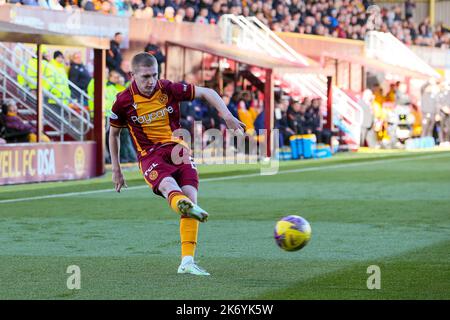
point(79, 75)
point(114, 56)
point(308, 120)
point(297, 118)
point(316, 118)
point(281, 123)
point(153, 48)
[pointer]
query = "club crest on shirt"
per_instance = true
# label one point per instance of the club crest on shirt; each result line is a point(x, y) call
point(163, 98)
point(153, 175)
point(149, 172)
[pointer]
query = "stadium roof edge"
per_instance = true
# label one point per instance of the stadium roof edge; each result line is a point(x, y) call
point(11, 32)
point(251, 57)
point(377, 65)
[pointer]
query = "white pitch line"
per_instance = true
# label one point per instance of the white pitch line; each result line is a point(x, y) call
point(319, 168)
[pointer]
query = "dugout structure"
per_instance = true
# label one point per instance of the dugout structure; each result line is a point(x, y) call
point(10, 32)
point(247, 59)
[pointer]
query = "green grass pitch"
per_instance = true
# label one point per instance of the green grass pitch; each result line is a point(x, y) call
point(385, 209)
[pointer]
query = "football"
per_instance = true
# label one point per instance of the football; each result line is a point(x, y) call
point(292, 233)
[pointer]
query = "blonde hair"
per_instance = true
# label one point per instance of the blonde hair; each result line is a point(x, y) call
point(143, 59)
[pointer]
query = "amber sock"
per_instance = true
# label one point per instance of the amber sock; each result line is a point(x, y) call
point(174, 197)
point(188, 235)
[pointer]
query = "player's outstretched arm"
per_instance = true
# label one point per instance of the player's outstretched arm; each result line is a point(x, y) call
point(216, 101)
point(114, 148)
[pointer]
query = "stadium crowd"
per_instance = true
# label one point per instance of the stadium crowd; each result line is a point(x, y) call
point(292, 116)
point(334, 18)
point(345, 19)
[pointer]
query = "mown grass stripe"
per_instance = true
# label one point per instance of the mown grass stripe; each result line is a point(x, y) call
point(233, 177)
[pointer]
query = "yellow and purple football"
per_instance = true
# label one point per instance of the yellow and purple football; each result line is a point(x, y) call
point(292, 233)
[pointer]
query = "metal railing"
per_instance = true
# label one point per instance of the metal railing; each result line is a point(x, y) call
point(84, 97)
point(58, 115)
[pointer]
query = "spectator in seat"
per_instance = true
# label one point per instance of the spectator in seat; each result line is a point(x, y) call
point(232, 105)
point(323, 135)
point(160, 7)
point(246, 115)
point(190, 15)
point(13, 122)
point(176, 4)
point(214, 14)
point(202, 16)
point(6, 134)
point(181, 13)
point(296, 118)
point(314, 113)
point(107, 7)
point(169, 14)
point(225, 10)
point(144, 13)
point(417, 125)
point(259, 123)
point(390, 96)
point(123, 8)
point(281, 123)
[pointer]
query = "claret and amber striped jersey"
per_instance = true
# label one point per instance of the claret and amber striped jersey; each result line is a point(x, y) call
point(151, 120)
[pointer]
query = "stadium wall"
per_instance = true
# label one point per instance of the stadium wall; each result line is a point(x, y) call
point(39, 162)
point(137, 32)
point(77, 23)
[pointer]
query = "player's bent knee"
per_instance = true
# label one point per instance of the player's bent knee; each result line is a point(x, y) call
point(167, 185)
